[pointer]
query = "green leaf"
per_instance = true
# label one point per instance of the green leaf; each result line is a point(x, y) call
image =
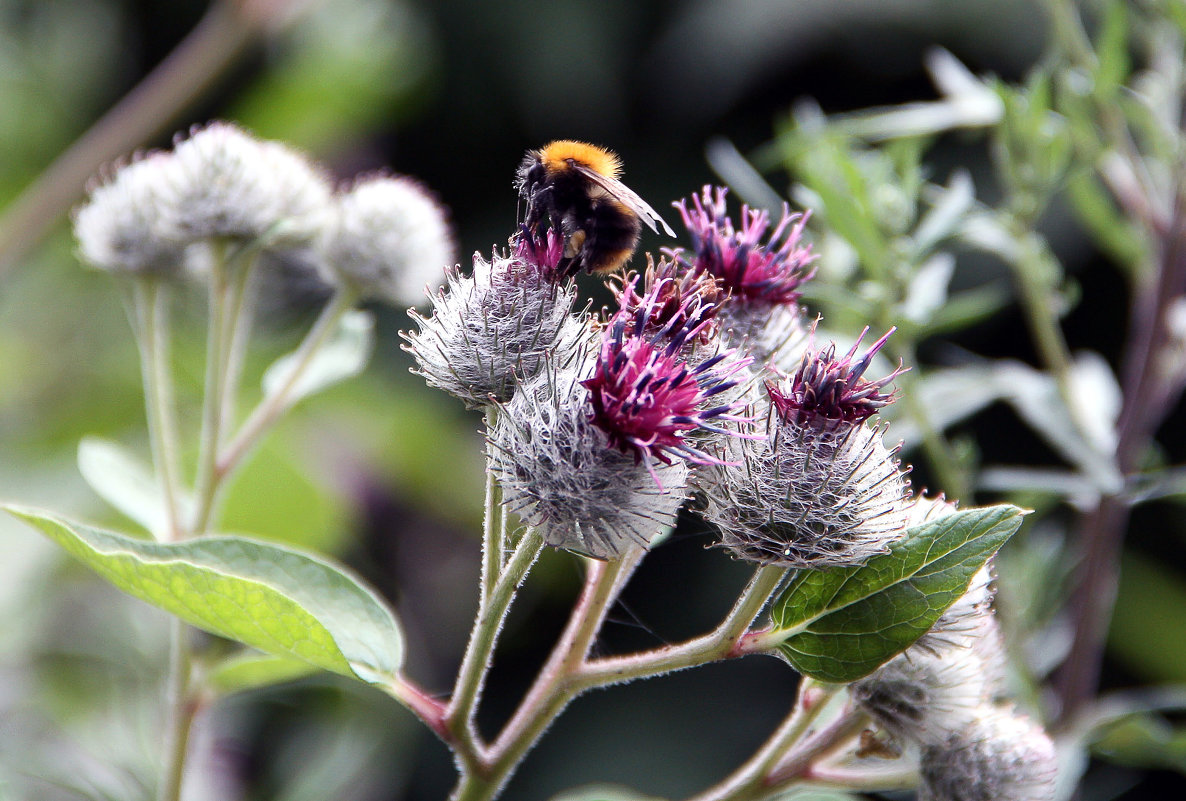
point(1112, 48)
point(125, 482)
point(840, 625)
point(252, 670)
point(279, 600)
point(343, 356)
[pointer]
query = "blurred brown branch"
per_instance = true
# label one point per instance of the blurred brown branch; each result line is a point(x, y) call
point(220, 38)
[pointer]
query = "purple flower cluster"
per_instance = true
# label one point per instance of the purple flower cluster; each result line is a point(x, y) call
point(647, 399)
point(753, 267)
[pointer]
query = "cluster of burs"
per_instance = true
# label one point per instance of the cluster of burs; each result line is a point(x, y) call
point(703, 387)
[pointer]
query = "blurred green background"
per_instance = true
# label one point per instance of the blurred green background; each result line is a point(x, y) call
point(382, 472)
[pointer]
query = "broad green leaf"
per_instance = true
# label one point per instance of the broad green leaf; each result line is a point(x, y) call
point(343, 356)
point(125, 482)
point(279, 600)
point(253, 670)
point(840, 625)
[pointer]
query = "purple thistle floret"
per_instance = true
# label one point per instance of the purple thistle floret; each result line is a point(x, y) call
point(647, 399)
point(825, 386)
point(752, 270)
point(673, 299)
point(543, 252)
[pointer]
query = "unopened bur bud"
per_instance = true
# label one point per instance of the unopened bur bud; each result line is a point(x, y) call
point(821, 489)
point(127, 224)
point(494, 329)
point(1002, 755)
point(230, 185)
point(390, 239)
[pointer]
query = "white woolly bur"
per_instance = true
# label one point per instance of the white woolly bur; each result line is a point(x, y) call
point(126, 224)
point(560, 475)
point(229, 184)
point(1002, 755)
point(491, 330)
point(391, 239)
point(818, 493)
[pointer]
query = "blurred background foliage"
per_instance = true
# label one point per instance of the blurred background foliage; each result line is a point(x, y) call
point(386, 474)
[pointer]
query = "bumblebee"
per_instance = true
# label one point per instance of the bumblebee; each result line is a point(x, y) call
point(574, 188)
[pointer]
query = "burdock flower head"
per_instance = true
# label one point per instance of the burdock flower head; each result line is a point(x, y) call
point(492, 330)
point(390, 239)
point(821, 489)
point(596, 455)
point(762, 273)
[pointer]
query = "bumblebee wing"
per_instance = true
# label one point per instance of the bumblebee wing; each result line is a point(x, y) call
point(625, 195)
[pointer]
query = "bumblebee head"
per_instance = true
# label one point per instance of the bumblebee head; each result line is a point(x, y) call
point(530, 174)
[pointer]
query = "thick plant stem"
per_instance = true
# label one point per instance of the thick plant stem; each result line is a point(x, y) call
point(493, 520)
point(459, 718)
point(181, 708)
point(1149, 395)
point(151, 310)
point(206, 482)
point(721, 643)
point(552, 689)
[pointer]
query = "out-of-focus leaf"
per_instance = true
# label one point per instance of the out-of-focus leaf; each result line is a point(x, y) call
point(1151, 598)
point(949, 205)
point(126, 483)
point(969, 307)
point(1143, 741)
point(927, 292)
point(281, 601)
point(966, 103)
point(842, 624)
point(737, 173)
point(1070, 486)
point(1112, 61)
point(1097, 211)
point(1087, 443)
point(252, 671)
point(343, 356)
point(947, 397)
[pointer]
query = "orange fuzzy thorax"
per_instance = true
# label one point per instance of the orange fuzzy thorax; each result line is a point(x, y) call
point(556, 155)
